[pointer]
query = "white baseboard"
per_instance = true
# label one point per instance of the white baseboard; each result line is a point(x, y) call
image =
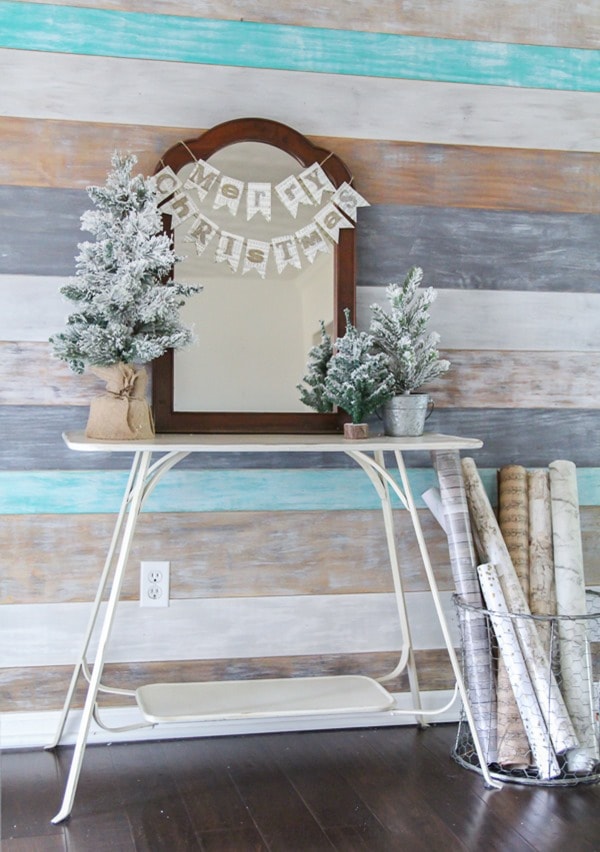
point(35, 730)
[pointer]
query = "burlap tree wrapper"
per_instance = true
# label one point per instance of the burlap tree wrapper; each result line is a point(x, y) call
point(122, 411)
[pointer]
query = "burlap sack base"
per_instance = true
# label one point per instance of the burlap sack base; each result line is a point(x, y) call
point(121, 413)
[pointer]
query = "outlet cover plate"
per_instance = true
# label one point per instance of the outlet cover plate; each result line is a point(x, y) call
point(154, 584)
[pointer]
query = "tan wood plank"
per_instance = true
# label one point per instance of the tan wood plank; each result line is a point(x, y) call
point(549, 22)
point(489, 379)
point(38, 689)
point(231, 554)
point(67, 154)
point(29, 370)
point(30, 375)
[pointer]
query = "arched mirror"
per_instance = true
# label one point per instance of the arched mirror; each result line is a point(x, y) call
point(232, 204)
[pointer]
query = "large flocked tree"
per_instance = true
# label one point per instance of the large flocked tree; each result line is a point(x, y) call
point(126, 309)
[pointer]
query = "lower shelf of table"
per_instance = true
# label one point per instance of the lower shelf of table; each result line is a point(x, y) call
point(243, 699)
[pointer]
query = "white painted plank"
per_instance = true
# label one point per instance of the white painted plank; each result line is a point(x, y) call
point(35, 730)
point(506, 319)
point(220, 628)
point(31, 307)
point(465, 319)
point(133, 91)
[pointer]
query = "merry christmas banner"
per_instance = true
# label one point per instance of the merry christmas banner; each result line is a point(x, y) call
point(182, 200)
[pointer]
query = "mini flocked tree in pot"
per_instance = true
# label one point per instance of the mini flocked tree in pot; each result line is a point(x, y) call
point(347, 374)
point(127, 311)
point(411, 352)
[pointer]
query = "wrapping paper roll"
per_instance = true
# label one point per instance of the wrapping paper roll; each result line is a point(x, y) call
point(544, 683)
point(542, 590)
point(518, 674)
point(474, 630)
point(575, 661)
point(513, 519)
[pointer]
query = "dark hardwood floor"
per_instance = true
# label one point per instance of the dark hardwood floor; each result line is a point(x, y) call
point(381, 789)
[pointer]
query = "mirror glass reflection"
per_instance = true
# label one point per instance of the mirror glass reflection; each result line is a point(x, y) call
point(252, 334)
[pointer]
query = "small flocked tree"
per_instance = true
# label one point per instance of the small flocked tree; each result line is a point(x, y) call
point(126, 310)
point(400, 334)
point(312, 392)
point(357, 380)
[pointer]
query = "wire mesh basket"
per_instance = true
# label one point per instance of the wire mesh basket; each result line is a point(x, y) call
point(533, 683)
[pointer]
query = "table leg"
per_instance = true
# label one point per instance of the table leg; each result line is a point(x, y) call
point(82, 659)
point(136, 495)
point(442, 619)
point(381, 479)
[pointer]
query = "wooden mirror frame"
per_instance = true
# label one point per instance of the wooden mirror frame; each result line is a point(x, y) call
point(298, 146)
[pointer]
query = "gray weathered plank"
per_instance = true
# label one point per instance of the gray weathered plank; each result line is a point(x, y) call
point(476, 249)
point(480, 249)
point(533, 437)
point(40, 229)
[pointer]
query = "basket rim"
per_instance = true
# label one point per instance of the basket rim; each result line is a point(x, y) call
point(461, 603)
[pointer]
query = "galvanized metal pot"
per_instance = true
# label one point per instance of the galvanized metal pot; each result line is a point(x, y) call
point(404, 416)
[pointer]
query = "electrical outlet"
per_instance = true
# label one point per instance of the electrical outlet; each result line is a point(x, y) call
point(154, 583)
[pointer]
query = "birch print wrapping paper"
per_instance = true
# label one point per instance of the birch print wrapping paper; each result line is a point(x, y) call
point(575, 661)
point(504, 628)
point(546, 689)
point(474, 629)
point(542, 590)
point(513, 519)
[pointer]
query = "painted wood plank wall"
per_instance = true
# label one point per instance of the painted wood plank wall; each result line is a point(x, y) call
point(473, 130)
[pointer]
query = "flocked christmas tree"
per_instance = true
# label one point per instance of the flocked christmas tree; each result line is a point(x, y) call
point(357, 380)
point(312, 392)
point(400, 334)
point(126, 309)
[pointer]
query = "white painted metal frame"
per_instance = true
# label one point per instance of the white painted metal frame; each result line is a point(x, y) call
point(145, 475)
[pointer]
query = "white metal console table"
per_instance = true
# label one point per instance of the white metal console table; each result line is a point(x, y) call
point(234, 699)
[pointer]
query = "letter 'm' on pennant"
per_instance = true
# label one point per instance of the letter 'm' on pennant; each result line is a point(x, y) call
point(332, 221)
point(167, 183)
point(312, 242)
point(258, 200)
point(229, 194)
point(285, 252)
point(181, 207)
point(292, 194)
point(229, 250)
point(348, 200)
point(201, 233)
point(316, 181)
point(257, 255)
point(202, 178)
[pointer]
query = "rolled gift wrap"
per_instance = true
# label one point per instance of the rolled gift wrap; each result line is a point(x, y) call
point(477, 654)
point(542, 590)
point(575, 658)
point(518, 674)
point(513, 519)
point(547, 691)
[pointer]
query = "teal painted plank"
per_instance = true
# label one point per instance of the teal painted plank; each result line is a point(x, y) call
point(101, 32)
point(91, 492)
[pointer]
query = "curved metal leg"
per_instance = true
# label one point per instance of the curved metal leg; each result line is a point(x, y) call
point(377, 473)
point(82, 659)
point(137, 496)
point(442, 620)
